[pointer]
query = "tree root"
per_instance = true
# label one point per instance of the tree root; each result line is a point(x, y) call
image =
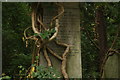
point(41, 43)
point(47, 57)
point(64, 62)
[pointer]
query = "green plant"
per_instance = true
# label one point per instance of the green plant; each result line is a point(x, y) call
point(5, 78)
point(46, 34)
point(45, 72)
point(22, 71)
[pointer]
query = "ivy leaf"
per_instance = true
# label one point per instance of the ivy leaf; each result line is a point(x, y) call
point(20, 66)
point(42, 35)
point(46, 34)
point(6, 77)
point(37, 57)
point(36, 34)
point(33, 65)
point(34, 74)
point(52, 30)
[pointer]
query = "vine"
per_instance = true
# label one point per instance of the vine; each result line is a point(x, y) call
point(44, 35)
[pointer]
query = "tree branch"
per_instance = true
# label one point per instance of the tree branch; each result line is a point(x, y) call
point(88, 34)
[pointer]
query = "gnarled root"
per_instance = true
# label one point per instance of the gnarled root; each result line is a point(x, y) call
point(64, 62)
point(46, 56)
point(64, 57)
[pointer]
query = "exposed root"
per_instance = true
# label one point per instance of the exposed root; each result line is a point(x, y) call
point(30, 37)
point(56, 29)
point(41, 44)
point(59, 14)
point(47, 57)
point(25, 32)
point(61, 44)
point(33, 22)
point(41, 23)
point(64, 62)
point(64, 56)
point(38, 55)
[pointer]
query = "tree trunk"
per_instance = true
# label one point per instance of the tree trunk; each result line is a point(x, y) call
point(110, 67)
point(69, 33)
point(101, 33)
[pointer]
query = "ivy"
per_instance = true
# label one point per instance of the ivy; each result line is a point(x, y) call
point(46, 34)
point(45, 72)
point(5, 78)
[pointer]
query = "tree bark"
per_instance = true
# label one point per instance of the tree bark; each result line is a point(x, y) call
point(109, 65)
point(101, 34)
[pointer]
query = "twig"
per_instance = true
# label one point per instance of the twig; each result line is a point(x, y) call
point(88, 34)
point(115, 39)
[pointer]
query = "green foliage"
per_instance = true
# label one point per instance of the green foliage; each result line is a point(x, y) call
point(89, 51)
point(22, 71)
point(45, 72)
point(36, 34)
point(41, 72)
point(16, 60)
point(5, 78)
point(37, 57)
point(15, 18)
point(46, 34)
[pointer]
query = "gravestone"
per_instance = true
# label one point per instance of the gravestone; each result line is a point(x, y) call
point(69, 33)
point(112, 67)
